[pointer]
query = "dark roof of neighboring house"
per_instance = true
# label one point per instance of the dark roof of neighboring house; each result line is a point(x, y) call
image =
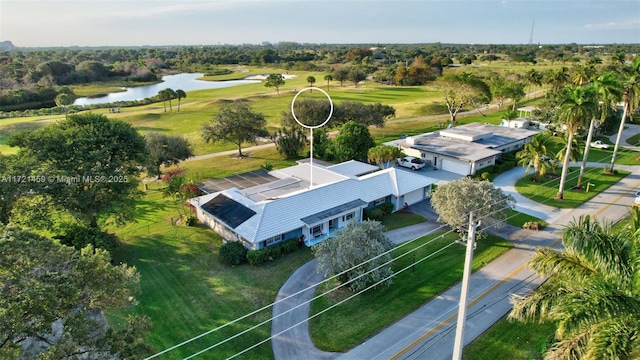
point(228, 211)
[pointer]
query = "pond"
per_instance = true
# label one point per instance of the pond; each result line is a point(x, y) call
point(185, 82)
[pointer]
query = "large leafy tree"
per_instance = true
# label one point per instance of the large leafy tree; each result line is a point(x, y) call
point(592, 293)
point(237, 123)
point(90, 166)
point(52, 296)
point(536, 154)
point(354, 244)
point(356, 75)
point(353, 142)
point(166, 150)
point(454, 200)
point(578, 105)
point(275, 81)
point(609, 92)
point(462, 90)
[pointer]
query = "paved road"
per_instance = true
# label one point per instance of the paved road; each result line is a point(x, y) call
point(431, 329)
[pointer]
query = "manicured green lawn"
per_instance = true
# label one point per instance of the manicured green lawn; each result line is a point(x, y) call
point(186, 290)
point(634, 140)
point(352, 322)
point(399, 219)
point(511, 340)
point(546, 191)
point(518, 219)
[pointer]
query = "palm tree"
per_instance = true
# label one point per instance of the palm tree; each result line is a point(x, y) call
point(328, 77)
point(609, 92)
point(536, 154)
point(164, 96)
point(171, 94)
point(630, 100)
point(311, 80)
point(577, 105)
point(592, 292)
point(557, 78)
point(533, 77)
point(180, 94)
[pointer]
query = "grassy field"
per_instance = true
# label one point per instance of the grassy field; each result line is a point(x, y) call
point(545, 191)
point(511, 340)
point(352, 322)
point(518, 219)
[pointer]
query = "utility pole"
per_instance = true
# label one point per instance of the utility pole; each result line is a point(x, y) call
point(464, 291)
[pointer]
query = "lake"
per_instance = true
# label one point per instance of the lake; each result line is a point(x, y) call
point(185, 82)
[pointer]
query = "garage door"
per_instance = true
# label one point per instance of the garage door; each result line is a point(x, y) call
point(414, 196)
point(455, 167)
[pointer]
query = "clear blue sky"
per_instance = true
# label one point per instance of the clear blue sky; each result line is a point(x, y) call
point(29, 23)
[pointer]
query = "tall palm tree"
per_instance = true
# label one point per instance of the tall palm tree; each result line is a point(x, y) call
point(630, 100)
point(609, 92)
point(535, 154)
point(593, 292)
point(578, 105)
point(328, 77)
point(180, 94)
point(533, 77)
point(311, 80)
point(171, 94)
point(164, 96)
point(557, 79)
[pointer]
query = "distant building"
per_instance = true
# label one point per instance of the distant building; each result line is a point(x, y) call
point(467, 148)
point(288, 207)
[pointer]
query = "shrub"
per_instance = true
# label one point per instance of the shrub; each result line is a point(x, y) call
point(257, 257)
point(387, 208)
point(532, 225)
point(485, 175)
point(374, 214)
point(290, 245)
point(233, 253)
point(190, 220)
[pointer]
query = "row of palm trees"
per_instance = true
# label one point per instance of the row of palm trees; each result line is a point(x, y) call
point(592, 293)
point(581, 105)
point(169, 94)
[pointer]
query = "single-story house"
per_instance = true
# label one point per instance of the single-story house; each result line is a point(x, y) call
point(467, 148)
point(293, 207)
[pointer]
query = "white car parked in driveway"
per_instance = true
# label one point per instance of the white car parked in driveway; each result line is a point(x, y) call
point(411, 162)
point(599, 145)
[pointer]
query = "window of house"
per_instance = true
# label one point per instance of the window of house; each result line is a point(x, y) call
point(316, 230)
point(379, 201)
point(333, 223)
point(350, 216)
point(273, 239)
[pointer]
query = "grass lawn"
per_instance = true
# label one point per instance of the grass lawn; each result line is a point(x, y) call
point(511, 340)
point(546, 191)
point(634, 140)
point(518, 219)
point(352, 322)
point(400, 219)
point(186, 290)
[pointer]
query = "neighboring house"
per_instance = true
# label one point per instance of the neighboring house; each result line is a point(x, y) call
point(519, 123)
point(289, 207)
point(467, 148)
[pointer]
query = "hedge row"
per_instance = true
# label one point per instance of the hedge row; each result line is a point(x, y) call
point(234, 253)
point(378, 212)
point(270, 253)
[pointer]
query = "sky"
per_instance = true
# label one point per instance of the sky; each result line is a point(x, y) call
point(32, 23)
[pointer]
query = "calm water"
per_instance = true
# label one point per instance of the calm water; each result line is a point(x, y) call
point(186, 82)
